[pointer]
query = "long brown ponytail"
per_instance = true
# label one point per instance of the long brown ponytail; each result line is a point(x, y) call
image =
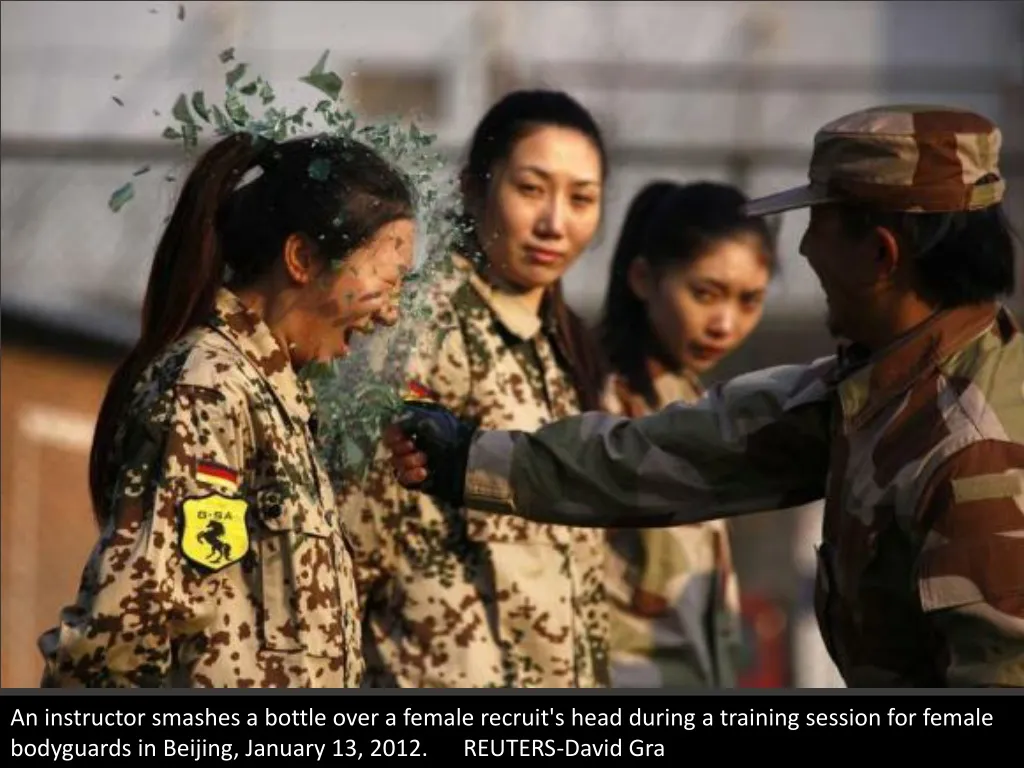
point(183, 281)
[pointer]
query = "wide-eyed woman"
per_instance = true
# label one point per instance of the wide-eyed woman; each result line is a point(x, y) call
point(687, 287)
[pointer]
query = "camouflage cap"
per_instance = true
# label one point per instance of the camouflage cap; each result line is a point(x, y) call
point(914, 158)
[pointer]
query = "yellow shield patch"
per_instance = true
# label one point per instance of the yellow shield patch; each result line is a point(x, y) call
point(213, 532)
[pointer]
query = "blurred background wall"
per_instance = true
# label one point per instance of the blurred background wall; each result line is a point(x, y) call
point(731, 91)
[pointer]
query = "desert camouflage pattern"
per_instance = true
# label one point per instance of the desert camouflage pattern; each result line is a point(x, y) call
point(673, 592)
point(913, 158)
point(279, 608)
point(918, 453)
point(459, 597)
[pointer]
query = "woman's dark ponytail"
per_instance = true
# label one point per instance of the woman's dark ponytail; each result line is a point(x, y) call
point(187, 271)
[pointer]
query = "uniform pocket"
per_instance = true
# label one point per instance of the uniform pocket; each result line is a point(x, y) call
point(531, 544)
point(301, 607)
point(534, 618)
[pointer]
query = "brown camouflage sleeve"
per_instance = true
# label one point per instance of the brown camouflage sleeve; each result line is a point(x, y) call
point(971, 567)
point(757, 442)
point(138, 594)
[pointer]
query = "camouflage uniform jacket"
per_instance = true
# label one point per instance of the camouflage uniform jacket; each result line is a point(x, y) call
point(917, 451)
point(460, 598)
point(673, 592)
point(223, 564)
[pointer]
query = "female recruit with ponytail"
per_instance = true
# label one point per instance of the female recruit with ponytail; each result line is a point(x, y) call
point(687, 287)
point(220, 561)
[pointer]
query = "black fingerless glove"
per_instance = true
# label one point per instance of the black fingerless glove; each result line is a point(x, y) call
point(445, 440)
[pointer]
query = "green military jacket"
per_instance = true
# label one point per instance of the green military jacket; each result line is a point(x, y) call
point(918, 452)
point(223, 564)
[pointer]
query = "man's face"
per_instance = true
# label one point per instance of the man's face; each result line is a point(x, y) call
point(850, 271)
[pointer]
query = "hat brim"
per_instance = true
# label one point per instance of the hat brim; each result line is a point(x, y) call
point(791, 199)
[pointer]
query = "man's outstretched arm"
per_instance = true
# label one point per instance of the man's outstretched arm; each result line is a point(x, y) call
point(758, 442)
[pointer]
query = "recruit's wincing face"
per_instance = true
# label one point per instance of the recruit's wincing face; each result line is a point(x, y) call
point(356, 296)
point(543, 206)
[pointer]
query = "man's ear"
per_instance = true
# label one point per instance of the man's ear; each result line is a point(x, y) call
point(640, 279)
point(299, 259)
point(889, 252)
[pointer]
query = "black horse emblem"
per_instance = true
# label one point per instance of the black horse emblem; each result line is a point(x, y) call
point(212, 537)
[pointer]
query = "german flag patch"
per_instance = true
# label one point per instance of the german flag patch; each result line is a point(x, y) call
point(417, 391)
point(218, 475)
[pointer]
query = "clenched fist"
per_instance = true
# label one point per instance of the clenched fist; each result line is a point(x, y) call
point(429, 448)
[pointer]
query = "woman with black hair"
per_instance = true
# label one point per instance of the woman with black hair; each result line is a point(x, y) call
point(687, 286)
point(455, 597)
point(220, 561)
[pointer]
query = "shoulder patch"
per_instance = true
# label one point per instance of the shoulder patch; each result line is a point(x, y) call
point(214, 534)
point(217, 474)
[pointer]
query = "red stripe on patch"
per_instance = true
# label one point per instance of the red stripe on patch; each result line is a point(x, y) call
point(215, 470)
point(416, 389)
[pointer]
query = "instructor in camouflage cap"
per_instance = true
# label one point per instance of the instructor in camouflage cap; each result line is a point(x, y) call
point(913, 432)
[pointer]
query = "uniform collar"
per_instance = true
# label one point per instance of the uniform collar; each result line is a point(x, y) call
point(670, 385)
point(252, 337)
point(867, 383)
point(507, 306)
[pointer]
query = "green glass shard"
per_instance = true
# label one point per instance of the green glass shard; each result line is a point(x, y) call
point(220, 120)
point(199, 106)
point(318, 68)
point(228, 54)
point(180, 110)
point(267, 93)
point(190, 135)
point(181, 12)
point(235, 75)
point(141, 171)
point(320, 169)
point(236, 109)
point(117, 101)
point(121, 196)
point(328, 82)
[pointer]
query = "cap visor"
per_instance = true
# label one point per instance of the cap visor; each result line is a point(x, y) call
point(800, 197)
